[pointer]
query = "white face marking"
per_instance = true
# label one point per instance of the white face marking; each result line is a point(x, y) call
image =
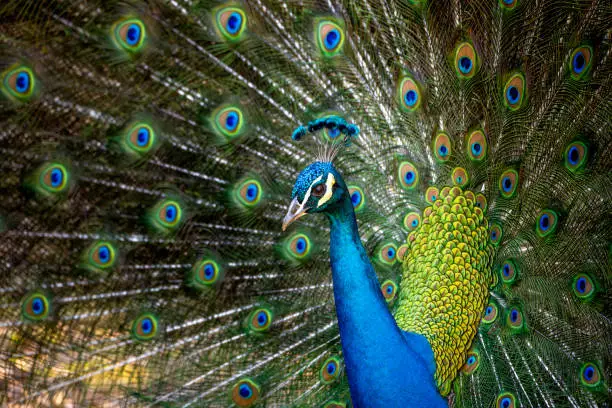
point(300, 206)
point(297, 210)
point(307, 196)
point(331, 180)
point(328, 193)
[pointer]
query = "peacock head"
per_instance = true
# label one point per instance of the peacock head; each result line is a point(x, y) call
point(319, 188)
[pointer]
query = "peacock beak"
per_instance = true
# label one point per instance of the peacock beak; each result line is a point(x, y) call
point(296, 210)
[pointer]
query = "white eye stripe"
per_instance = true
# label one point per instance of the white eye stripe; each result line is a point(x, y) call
point(331, 180)
point(307, 196)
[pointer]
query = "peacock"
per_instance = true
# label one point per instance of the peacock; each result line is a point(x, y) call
point(178, 178)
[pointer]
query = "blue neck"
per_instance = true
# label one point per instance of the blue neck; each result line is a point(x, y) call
point(386, 367)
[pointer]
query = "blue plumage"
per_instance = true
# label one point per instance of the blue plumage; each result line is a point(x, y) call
point(370, 337)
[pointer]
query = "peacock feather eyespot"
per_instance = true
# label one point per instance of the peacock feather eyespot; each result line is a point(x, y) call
point(575, 156)
point(508, 272)
point(140, 138)
point(508, 4)
point(590, 375)
point(101, 256)
point(249, 193)
point(53, 178)
point(505, 400)
point(515, 319)
point(442, 147)
point(408, 175)
point(476, 145)
point(205, 274)
point(495, 234)
point(409, 94)
point(389, 290)
point(481, 202)
point(514, 91)
point(547, 223)
point(490, 313)
point(330, 37)
point(388, 254)
point(298, 246)
point(466, 60)
point(35, 307)
point(231, 23)
point(583, 286)
point(130, 35)
point(357, 197)
point(330, 370)
point(260, 320)
point(145, 327)
point(412, 221)
point(508, 182)
point(431, 195)
point(330, 133)
point(18, 83)
point(167, 215)
point(229, 121)
point(460, 177)
point(580, 61)
point(471, 362)
point(245, 393)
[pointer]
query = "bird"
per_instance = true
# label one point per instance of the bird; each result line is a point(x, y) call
point(305, 204)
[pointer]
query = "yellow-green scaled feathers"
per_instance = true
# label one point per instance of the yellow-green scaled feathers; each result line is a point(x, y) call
point(446, 279)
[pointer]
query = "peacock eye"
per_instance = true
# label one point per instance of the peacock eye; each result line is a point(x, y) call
point(319, 190)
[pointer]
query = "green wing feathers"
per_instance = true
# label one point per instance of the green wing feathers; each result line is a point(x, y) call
point(446, 280)
point(147, 163)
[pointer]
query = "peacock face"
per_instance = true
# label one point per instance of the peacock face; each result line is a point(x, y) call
point(318, 188)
